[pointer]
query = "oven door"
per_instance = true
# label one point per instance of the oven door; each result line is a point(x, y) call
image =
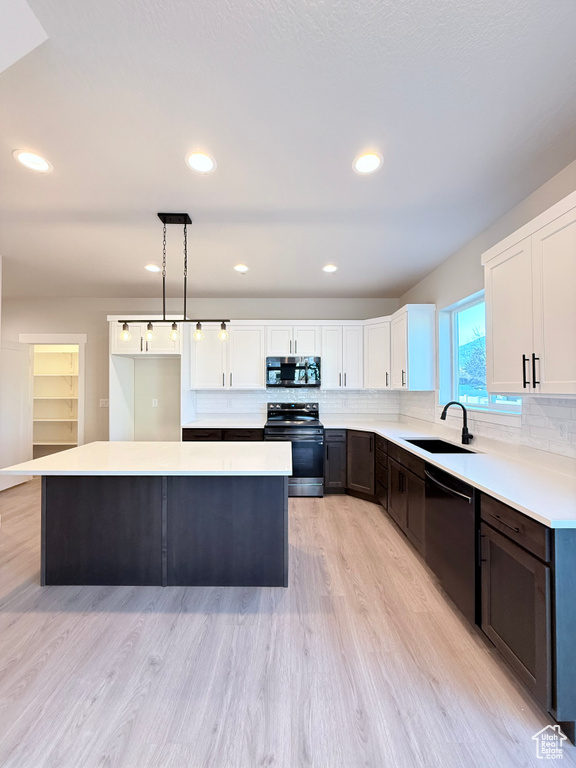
point(307, 477)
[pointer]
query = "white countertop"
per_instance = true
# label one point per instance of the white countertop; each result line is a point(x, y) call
point(541, 493)
point(223, 421)
point(544, 495)
point(143, 458)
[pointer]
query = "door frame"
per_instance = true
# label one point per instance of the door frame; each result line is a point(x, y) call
point(62, 338)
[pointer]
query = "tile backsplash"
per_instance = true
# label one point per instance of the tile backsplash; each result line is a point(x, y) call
point(350, 401)
point(546, 424)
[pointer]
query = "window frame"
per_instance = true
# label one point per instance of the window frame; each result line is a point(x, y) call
point(505, 409)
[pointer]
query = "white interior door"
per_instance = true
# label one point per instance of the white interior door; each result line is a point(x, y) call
point(554, 273)
point(15, 410)
point(246, 358)
point(377, 356)
point(331, 360)
point(279, 341)
point(307, 340)
point(509, 319)
point(399, 351)
point(352, 356)
point(208, 361)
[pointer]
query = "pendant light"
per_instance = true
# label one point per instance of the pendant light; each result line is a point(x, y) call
point(182, 219)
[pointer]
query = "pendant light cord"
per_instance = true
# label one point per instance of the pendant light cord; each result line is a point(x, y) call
point(164, 273)
point(185, 268)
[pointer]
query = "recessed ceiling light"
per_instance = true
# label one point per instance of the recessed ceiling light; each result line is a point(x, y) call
point(152, 268)
point(32, 161)
point(242, 268)
point(330, 268)
point(367, 163)
point(201, 162)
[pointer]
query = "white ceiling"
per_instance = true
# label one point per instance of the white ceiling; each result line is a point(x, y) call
point(20, 32)
point(471, 103)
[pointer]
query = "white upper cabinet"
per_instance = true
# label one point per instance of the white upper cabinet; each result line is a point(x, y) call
point(238, 363)
point(287, 340)
point(208, 360)
point(279, 341)
point(137, 345)
point(246, 357)
point(531, 306)
point(413, 347)
point(509, 335)
point(331, 361)
point(342, 357)
point(377, 355)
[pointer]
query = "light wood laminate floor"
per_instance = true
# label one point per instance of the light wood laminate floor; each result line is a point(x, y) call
point(360, 662)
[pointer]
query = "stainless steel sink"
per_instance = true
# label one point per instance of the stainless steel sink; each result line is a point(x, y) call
point(434, 445)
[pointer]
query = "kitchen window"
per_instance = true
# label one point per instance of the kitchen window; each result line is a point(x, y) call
point(467, 329)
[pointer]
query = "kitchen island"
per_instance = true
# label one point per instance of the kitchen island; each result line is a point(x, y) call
point(170, 514)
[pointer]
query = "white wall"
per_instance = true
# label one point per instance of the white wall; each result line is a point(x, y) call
point(461, 274)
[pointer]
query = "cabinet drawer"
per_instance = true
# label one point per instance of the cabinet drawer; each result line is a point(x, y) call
point(243, 434)
point(382, 474)
point(408, 460)
point(381, 458)
point(201, 434)
point(381, 444)
point(530, 534)
point(334, 435)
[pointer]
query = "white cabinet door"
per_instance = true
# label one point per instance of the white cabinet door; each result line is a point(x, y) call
point(134, 345)
point(162, 344)
point(509, 319)
point(307, 340)
point(399, 351)
point(279, 341)
point(331, 360)
point(246, 358)
point(377, 356)
point(554, 280)
point(208, 361)
point(352, 356)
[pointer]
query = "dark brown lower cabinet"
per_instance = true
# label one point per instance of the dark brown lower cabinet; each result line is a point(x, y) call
point(415, 510)
point(335, 461)
point(406, 500)
point(397, 497)
point(360, 462)
point(516, 610)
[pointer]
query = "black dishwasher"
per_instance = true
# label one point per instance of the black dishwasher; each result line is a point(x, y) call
point(450, 535)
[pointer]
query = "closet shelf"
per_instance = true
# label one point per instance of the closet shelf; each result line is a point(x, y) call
point(69, 420)
point(58, 397)
point(54, 442)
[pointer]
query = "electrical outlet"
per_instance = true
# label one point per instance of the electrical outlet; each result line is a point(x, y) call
point(229, 403)
point(562, 429)
point(104, 403)
point(154, 403)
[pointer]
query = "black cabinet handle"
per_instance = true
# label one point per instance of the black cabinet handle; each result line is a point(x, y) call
point(327, 451)
point(497, 517)
point(534, 382)
point(386, 378)
point(403, 378)
point(524, 379)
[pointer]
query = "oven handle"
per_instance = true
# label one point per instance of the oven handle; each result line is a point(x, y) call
point(447, 489)
point(286, 439)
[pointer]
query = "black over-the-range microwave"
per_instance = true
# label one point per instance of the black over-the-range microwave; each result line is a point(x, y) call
point(292, 371)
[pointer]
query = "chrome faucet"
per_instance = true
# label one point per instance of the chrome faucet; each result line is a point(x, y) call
point(466, 436)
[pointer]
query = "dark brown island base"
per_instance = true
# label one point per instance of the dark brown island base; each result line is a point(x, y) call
point(178, 514)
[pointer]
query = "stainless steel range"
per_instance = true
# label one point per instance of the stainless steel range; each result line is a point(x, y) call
point(299, 423)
